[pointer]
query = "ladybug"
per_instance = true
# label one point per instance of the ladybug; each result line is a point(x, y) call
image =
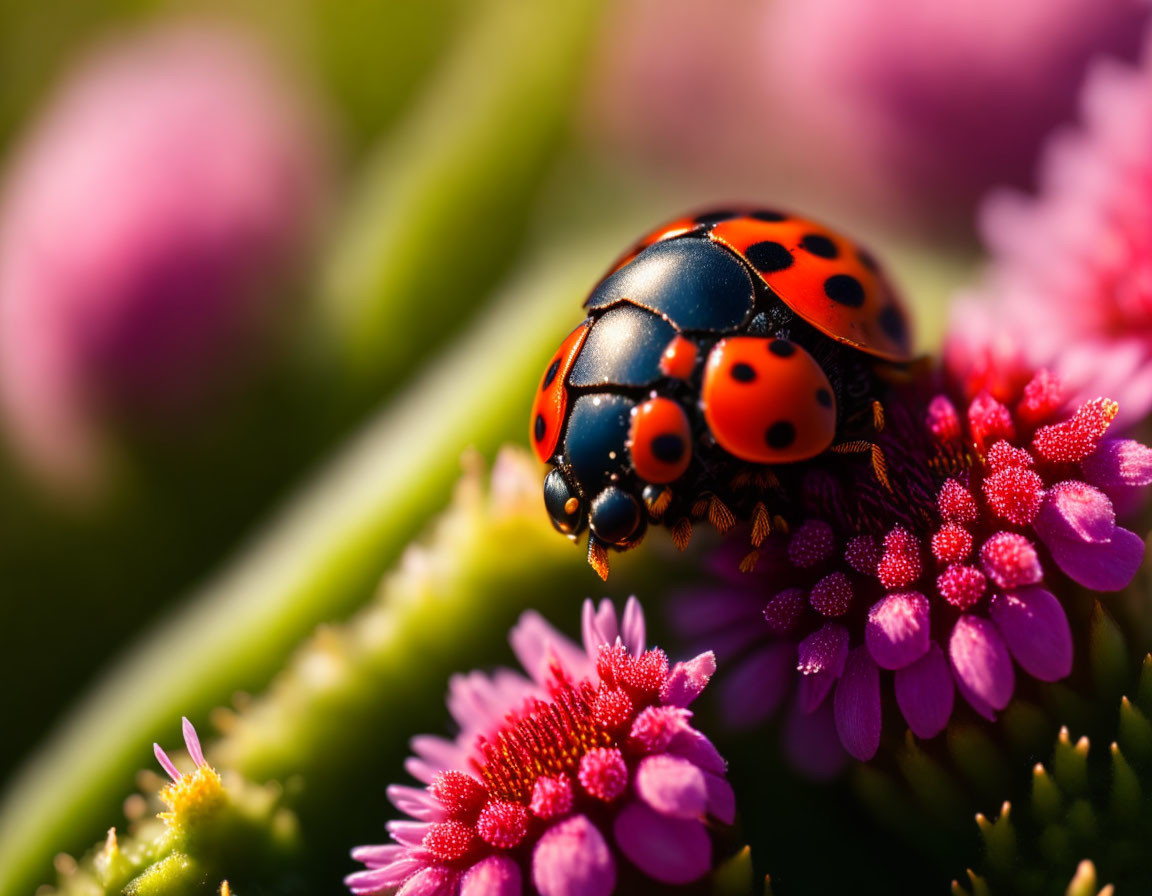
point(721, 356)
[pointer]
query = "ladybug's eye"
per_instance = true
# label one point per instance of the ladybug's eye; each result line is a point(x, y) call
point(615, 516)
point(563, 504)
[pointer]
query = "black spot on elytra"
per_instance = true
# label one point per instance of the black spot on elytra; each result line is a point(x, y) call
point(715, 217)
point(823, 397)
point(844, 289)
point(820, 245)
point(892, 322)
point(768, 215)
point(780, 434)
point(743, 373)
point(782, 348)
point(668, 448)
point(768, 257)
point(540, 427)
point(551, 374)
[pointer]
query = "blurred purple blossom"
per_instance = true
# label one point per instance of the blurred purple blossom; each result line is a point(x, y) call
point(908, 109)
point(146, 222)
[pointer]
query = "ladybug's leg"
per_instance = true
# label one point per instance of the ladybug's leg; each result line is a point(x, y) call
point(598, 557)
point(682, 533)
point(862, 446)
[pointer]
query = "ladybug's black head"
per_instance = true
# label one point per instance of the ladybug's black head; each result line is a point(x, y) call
point(614, 515)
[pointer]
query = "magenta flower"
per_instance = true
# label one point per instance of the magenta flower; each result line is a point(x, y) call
point(145, 224)
point(958, 599)
point(556, 779)
point(1072, 267)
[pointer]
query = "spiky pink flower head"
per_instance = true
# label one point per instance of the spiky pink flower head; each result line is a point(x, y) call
point(556, 779)
point(146, 222)
point(1072, 266)
point(957, 599)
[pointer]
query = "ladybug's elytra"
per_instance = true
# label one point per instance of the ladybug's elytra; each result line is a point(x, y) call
point(721, 352)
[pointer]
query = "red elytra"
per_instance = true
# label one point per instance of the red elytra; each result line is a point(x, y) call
point(767, 400)
point(660, 441)
point(825, 278)
point(679, 358)
point(547, 420)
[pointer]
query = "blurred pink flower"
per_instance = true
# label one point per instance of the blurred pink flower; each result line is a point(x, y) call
point(144, 226)
point(903, 107)
point(1071, 275)
point(561, 783)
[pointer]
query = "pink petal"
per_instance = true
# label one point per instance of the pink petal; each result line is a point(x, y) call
point(1035, 626)
point(688, 679)
point(753, 689)
point(981, 662)
point(670, 850)
point(378, 855)
point(1119, 462)
point(897, 631)
point(493, 876)
point(632, 627)
point(537, 645)
point(697, 749)
point(167, 764)
point(416, 802)
point(391, 874)
point(572, 859)
point(811, 743)
point(721, 803)
point(1101, 567)
point(857, 705)
point(363, 883)
point(821, 658)
point(434, 881)
point(192, 742)
point(1075, 511)
point(925, 694)
point(598, 626)
point(672, 786)
point(410, 833)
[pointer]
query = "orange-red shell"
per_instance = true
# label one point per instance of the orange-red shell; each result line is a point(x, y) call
point(551, 402)
point(824, 277)
point(679, 358)
point(767, 401)
point(660, 440)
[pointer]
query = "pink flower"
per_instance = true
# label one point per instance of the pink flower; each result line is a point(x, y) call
point(555, 777)
point(925, 602)
point(145, 224)
point(1072, 267)
point(905, 108)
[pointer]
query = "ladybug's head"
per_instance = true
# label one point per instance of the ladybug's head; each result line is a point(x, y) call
point(614, 515)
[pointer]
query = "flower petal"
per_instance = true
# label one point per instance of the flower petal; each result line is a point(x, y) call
point(1119, 462)
point(897, 631)
point(857, 705)
point(688, 679)
point(434, 881)
point(537, 645)
point(1035, 626)
point(1076, 511)
point(753, 689)
point(572, 859)
point(981, 662)
point(670, 850)
point(632, 627)
point(924, 693)
point(494, 876)
point(821, 657)
point(721, 798)
point(1102, 567)
point(672, 786)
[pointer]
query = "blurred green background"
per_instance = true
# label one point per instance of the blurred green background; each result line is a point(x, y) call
point(426, 192)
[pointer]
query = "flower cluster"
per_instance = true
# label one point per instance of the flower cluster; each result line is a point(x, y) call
point(1024, 510)
point(552, 778)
